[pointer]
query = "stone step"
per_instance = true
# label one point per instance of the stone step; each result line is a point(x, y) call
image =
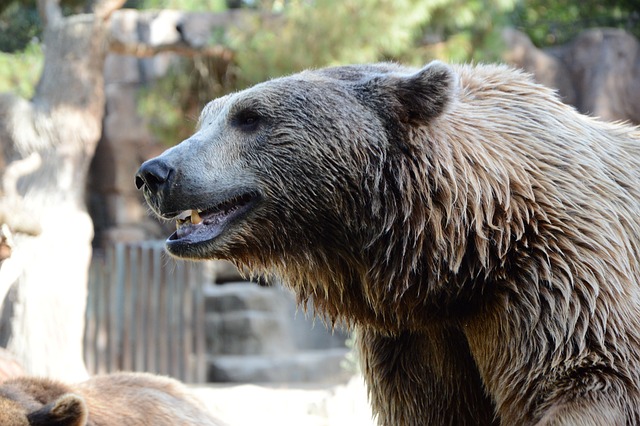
point(248, 333)
point(242, 296)
point(246, 319)
point(306, 366)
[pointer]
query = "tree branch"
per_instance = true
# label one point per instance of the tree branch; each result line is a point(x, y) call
point(15, 170)
point(104, 8)
point(49, 11)
point(183, 33)
point(145, 50)
point(12, 211)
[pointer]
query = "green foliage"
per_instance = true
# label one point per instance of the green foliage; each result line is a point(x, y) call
point(19, 72)
point(188, 86)
point(284, 37)
point(21, 56)
point(20, 22)
point(308, 34)
point(550, 22)
point(19, 25)
point(468, 30)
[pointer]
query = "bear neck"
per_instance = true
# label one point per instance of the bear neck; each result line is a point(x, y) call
point(437, 231)
point(441, 227)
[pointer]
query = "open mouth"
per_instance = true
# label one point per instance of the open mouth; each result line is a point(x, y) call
point(195, 226)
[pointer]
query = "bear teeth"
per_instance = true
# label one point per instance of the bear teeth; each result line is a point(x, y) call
point(195, 217)
point(213, 215)
point(192, 216)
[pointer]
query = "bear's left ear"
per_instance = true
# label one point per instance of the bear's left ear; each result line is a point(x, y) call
point(67, 410)
point(425, 94)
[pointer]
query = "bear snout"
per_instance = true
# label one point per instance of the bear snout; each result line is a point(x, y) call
point(155, 178)
point(153, 175)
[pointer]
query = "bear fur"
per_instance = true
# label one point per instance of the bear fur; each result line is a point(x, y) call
point(482, 237)
point(133, 399)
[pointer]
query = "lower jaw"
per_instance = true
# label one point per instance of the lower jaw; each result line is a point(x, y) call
point(193, 243)
point(199, 241)
point(188, 249)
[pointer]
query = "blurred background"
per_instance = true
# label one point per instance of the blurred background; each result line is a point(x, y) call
point(89, 89)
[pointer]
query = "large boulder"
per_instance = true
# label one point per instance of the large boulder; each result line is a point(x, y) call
point(598, 72)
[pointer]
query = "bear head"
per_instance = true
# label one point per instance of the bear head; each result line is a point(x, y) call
point(295, 176)
point(66, 410)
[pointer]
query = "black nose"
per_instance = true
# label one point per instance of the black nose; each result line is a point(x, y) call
point(153, 174)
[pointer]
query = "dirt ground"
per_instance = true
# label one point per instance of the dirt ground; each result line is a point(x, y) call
point(289, 405)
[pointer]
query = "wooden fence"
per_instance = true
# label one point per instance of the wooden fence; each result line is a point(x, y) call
point(145, 312)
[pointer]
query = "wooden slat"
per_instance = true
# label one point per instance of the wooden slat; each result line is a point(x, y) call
point(187, 330)
point(90, 322)
point(127, 324)
point(112, 312)
point(102, 339)
point(200, 343)
point(142, 307)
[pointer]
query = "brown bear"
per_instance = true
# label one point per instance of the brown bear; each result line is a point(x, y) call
point(132, 399)
point(482, 237)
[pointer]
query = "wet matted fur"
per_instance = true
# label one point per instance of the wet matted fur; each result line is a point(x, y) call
point(482, 237)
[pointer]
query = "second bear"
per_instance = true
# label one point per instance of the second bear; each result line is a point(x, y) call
point(132, 399)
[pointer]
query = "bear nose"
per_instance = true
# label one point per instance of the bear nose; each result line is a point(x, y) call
point(153, 174)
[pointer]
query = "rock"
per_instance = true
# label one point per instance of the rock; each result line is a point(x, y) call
point(246, 319)
point(306, 366)
point(598, 72)
point(247, 333)
point(242, 296)
point(546, 68)
point(196, 28)
point(225, 271)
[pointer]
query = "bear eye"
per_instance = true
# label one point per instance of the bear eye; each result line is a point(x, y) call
point(246, 120)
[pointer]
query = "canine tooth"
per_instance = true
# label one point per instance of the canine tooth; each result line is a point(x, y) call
point(195, 217)
point(184, 215)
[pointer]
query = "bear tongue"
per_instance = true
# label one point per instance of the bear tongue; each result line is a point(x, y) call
point(197, 233)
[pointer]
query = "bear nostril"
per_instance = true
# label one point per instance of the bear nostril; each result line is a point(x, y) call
point(153, 174)
point(139, 182)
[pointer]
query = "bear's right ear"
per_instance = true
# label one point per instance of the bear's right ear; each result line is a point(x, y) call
point(68, 410)
point(424, 95)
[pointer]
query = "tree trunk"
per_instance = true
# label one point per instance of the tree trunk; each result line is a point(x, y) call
point(62, 125)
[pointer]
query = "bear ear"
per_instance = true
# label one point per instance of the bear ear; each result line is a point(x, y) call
point(68, 410)
point(425, 94)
